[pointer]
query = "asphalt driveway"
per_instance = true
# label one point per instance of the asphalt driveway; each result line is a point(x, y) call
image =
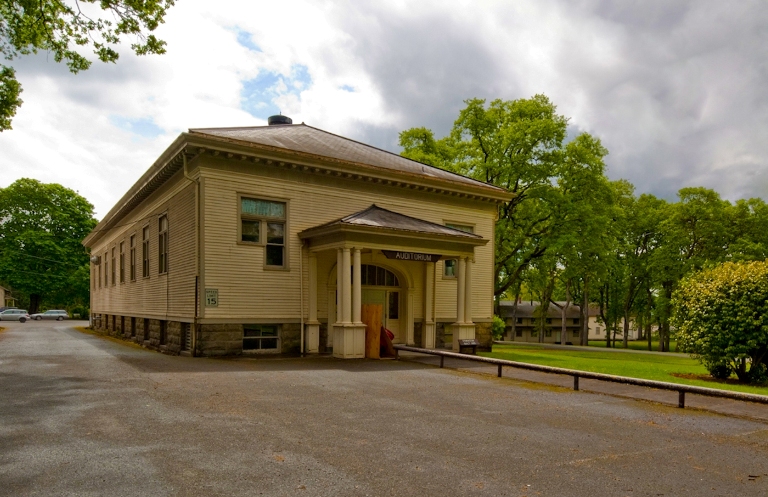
point(84, 415)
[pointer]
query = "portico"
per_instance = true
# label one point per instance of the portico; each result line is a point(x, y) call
point(376, 241)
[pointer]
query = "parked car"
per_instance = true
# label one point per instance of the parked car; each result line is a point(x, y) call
point(19, 315)
point(58, 315)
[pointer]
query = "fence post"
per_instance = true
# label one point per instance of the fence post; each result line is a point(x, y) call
point(681, 399)
point(575, 382)
point(499, 370)
point(442, 358)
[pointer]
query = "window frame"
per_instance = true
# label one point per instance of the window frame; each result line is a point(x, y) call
point(162, 244)
point(277, 338)
point(263, 230)
point(132, 256)
point(106, 269)
point(145, 247)
point(113, 268)
point(455, 225)
point(122, 261)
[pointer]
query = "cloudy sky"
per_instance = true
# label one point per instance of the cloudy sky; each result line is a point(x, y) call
point(676, 90)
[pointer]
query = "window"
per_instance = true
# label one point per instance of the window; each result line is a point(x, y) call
point(145, 252)
point(518, 332)
point(260, 337)
point(132, 257)
point(162, 244)
point(377, 276)
point(263, 222)
point(106, 269)
point(575, 320)
point(548, 333)
point(186, 337)
point(549, 320)
point(519, 320)
point(99, 276)
point(534, 333)
point(113, 266)
point(576, 334)
point(393, 311)
point(122, 262)
point(450, 266)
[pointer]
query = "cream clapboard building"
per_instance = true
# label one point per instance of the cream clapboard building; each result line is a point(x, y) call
point(236, 239)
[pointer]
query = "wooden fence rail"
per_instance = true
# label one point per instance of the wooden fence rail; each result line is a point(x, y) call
point(661, 385)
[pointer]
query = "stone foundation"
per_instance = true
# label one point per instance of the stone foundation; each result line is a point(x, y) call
point(324, 348)
point(290, 338)
point(484, 335)
point(418, 332)
point(220, 339)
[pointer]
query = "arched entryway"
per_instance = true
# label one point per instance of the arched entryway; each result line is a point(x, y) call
point(380, 286)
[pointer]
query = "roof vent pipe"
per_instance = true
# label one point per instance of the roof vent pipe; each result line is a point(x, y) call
point(279, 119)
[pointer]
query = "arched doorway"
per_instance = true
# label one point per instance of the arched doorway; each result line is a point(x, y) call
point(380, 286)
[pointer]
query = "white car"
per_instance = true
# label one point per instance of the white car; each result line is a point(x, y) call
point(19, 315)
point(58, 315)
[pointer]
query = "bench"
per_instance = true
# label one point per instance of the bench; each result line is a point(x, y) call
point(468, 344)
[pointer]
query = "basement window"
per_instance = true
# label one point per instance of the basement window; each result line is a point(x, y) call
point(260, 338)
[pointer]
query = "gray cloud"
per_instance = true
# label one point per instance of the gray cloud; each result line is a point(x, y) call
point(676, 90)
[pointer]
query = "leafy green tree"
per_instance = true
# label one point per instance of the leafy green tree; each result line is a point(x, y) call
point(41, 255)
point(60, 27)
point(721, 315)
point(514, 144)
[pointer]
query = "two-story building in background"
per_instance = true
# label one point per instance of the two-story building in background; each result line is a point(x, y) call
point(273, 238)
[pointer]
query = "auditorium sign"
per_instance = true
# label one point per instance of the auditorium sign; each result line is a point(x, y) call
point(411, 256)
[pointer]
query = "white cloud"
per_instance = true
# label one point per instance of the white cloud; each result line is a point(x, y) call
point(675, 91)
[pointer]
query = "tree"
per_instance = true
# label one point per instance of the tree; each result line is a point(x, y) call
point(721, 315)
point(41, 227)
point(517, 145)
point(58, 27)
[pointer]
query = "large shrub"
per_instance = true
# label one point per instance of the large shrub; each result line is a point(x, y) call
point(721, 315)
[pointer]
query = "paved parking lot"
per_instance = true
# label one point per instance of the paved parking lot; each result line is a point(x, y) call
point(84, 415)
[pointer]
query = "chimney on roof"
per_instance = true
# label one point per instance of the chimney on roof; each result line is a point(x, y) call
point(279, 119)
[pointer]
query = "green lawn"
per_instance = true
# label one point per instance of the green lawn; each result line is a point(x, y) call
point(634, 344)
point(634, 365)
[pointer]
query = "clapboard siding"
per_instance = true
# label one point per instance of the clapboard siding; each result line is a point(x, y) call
point(167, 295)
point(247, 290)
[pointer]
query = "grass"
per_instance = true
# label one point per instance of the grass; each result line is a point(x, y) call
point(647, 366)
point(634, 344)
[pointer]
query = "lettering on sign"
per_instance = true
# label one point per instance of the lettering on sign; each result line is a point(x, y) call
point(211, 297)
point(411, 256)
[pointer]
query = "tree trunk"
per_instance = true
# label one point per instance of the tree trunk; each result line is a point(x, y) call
point(626, 329)
point(563, 313)
point(584, 335)
point(513, 333)
point(34, 303)
point(648, 334)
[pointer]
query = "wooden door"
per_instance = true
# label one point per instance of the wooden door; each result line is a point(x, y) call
point(371, 316)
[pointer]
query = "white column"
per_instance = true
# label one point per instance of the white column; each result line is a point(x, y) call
point(428, 332)
point(461, 289)
point(346, 285)
point(468, 292)
point(312, 287)
point(428, 291)
point(357, 291)
point(339, 286)
point(312, 344)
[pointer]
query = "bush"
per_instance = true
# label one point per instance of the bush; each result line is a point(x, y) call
point(721, 315)
point(498, 328)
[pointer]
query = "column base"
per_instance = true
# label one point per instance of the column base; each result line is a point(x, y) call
point(349, 341)
point(461, 331)
point(312, 338)
point(428, 336)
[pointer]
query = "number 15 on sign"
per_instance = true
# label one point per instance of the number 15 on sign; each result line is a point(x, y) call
point(211, 297)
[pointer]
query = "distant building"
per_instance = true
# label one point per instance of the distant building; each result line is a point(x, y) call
point(261, 239)
point(522, 323)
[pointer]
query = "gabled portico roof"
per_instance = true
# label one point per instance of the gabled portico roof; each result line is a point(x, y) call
point(378, 226)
